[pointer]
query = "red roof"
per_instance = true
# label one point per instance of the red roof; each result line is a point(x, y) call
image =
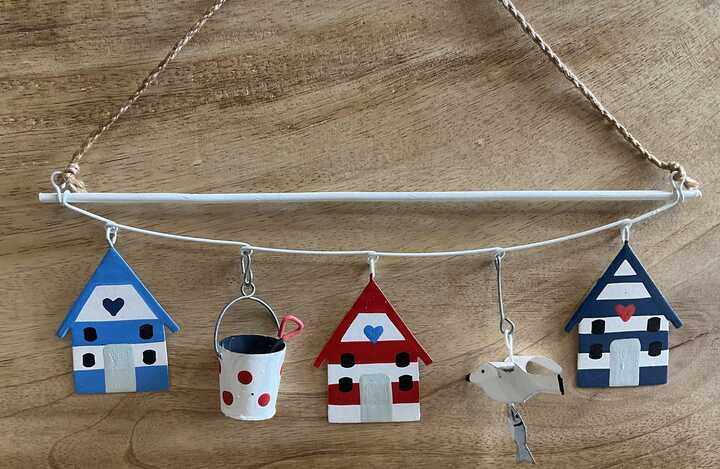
point(372, 300)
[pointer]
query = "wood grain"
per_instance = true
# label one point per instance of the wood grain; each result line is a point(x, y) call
point(367, 95)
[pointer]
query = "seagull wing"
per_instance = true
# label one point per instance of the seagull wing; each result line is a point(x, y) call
point(523, 361)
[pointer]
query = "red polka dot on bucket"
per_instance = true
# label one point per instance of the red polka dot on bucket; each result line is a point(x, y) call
point(245, 377)
point(264, 399)
point(227, 397)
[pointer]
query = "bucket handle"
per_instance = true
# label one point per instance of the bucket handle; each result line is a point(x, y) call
point(267, 307)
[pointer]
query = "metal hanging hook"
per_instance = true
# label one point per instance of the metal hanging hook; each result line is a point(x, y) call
point(372, 260)
point(679, 187)
point(111, 233)
point(248, 279)
point(58, 186)
point(625, 232)
point(507, 327)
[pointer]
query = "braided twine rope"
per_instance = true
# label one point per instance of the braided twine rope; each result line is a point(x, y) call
point(70, 179)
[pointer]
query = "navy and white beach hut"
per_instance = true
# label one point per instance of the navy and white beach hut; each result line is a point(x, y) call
point(118, 332)
point(623, 327)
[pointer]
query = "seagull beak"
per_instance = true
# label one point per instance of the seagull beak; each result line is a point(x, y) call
point(467, 378)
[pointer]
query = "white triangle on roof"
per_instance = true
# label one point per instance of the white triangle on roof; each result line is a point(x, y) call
point(382, 326)
point(625, 269)
point(131, 307)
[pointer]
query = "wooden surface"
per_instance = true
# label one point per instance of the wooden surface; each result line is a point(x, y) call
point(366, 95)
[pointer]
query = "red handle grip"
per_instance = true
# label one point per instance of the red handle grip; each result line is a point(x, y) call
point(285, 335)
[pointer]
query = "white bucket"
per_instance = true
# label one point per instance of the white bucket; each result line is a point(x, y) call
point(250, 367)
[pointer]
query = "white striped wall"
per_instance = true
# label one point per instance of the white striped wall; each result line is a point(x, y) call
point(352, 413)
point(335, 372)
point(624, 291)
point(603, 363)
point(616, 324)
point(138, 349)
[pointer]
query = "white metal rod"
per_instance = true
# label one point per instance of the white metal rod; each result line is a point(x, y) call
point(459, 196)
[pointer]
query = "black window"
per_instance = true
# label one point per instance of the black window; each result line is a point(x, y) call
point(146, 331)
point(90, 334)
point(653, 324)
point(347, 360)
point(406, 382)
point(654, 349)
point(402, 359)
point(88, 360)
point(149, 357)
point(596, 351)
point(598, 326)
point(345, 384)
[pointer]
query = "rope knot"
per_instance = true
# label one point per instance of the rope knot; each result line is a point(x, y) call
point(71, 180)
point(73, 168)
point(679, 174)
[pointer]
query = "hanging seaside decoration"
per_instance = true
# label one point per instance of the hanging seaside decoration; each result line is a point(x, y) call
point(118, 331)
point(623, 327)
point(373, 374)
point(251, 364)
point(509, 381)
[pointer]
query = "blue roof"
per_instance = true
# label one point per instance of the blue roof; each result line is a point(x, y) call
point(113, 270)
point(655, 304)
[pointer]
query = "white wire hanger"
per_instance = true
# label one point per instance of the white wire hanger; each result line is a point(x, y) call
point(69, 189)
point(623, 224)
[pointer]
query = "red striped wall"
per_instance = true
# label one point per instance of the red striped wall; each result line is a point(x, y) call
point(367, 352)
point(335, 397)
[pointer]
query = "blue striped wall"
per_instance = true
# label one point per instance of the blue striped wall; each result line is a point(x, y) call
point(606, 308)
point(649, 375)
point(645, 338)
point(89, 381)
point(117, 332)
point(147, 379)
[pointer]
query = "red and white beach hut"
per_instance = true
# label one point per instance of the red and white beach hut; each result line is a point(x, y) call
point(372, 357)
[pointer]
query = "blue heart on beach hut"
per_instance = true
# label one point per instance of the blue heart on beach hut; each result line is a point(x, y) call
point(373, 333)
point(113, 306)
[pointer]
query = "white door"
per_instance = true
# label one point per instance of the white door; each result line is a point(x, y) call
point(625, 362)
point(375, 398)
point(119, 368)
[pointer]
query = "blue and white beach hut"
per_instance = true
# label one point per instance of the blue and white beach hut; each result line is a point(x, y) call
point(623, 327)
point(118, 332)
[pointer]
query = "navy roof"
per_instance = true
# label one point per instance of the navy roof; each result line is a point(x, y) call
point(113, 270)
point(655, 304)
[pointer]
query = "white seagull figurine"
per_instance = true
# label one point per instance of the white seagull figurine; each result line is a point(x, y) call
point(511, 383)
